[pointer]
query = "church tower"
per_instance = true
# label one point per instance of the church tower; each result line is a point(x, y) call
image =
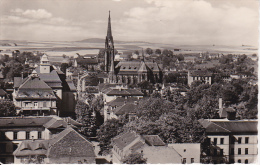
point(45, 66)
point(109, 47)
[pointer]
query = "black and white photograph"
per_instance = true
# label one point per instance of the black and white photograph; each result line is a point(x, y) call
point(129, 81)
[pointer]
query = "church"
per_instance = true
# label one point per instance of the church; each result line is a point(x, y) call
point(128, 72)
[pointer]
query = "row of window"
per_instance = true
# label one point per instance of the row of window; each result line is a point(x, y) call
point(15, 135)
point(239, 161)
point(238, 151)
point(239, 140)
point(184, 161)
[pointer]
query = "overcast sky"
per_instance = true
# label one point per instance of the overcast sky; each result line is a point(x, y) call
point(200, 22)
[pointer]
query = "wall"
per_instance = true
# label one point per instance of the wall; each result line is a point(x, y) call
point(188, 151)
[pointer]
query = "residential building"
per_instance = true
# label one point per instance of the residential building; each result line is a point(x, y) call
point(91, 64)
point(190, 152)
point(202, 75)
point(235, 141)
point(34, 96)
point(14, 130)
point(151, 146)
point(66, 147)
point(45, 89)
point(111, 93)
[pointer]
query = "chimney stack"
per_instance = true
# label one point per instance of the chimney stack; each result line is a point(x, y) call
point(220, 104)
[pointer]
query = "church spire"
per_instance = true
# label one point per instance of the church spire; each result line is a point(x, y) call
point(109, 46)
point(109, 30)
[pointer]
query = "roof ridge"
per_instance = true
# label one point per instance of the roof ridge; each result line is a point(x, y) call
point(220, 126)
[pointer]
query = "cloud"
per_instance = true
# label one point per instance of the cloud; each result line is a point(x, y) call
point(190, 22)
point(35, 14)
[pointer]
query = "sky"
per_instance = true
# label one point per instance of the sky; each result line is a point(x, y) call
point(180, 22)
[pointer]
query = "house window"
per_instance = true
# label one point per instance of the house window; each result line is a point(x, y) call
point(15, 135)
point(232, 151)
point(221, 152)
point(239, 160)
point(239, 151)
point(246, 161)
point(44, 104)
point(222, 141)
point(215, 141)
point(35, 104)
point(246, 140)
point(184, 150)
point(239, 140)
point(39, 134)
point(192, 160)
point(246, 151)
point(27, 135)
point(184, 161)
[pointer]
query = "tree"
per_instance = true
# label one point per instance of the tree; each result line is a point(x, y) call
point(7, 108)
point(153, 108)
point(180, 57)
point(86, 117)
point(149, 51)
point(136, 52)
point(107, 131)
point(135, 158)
point(158, 51)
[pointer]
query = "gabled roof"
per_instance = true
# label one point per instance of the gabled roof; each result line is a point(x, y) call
point(153, 140)
point(124, 139)
point(123, 92)
point(48, 77)
point(66, 143)
point(32, 147)
point(119, 101)
point(34, 83)
point(70, 143)
point(23, 121)
point(126, 109)
point(229, 126)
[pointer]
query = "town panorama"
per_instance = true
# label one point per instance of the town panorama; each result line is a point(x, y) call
point(127, 102)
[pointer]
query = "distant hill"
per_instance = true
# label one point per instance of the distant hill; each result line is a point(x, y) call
point(93, 40)
point(99, 40)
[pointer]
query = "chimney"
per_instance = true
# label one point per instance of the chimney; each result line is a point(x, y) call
point(220, 104)
point(22, 75)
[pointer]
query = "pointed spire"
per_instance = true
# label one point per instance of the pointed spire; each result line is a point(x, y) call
point(143, 54)
point(109, 31)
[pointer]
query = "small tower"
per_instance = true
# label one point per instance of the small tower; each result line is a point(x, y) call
point(109, 46)
point(45, 66)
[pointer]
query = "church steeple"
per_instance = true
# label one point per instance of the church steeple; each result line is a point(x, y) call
point(109, 46)
point(109, 30)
